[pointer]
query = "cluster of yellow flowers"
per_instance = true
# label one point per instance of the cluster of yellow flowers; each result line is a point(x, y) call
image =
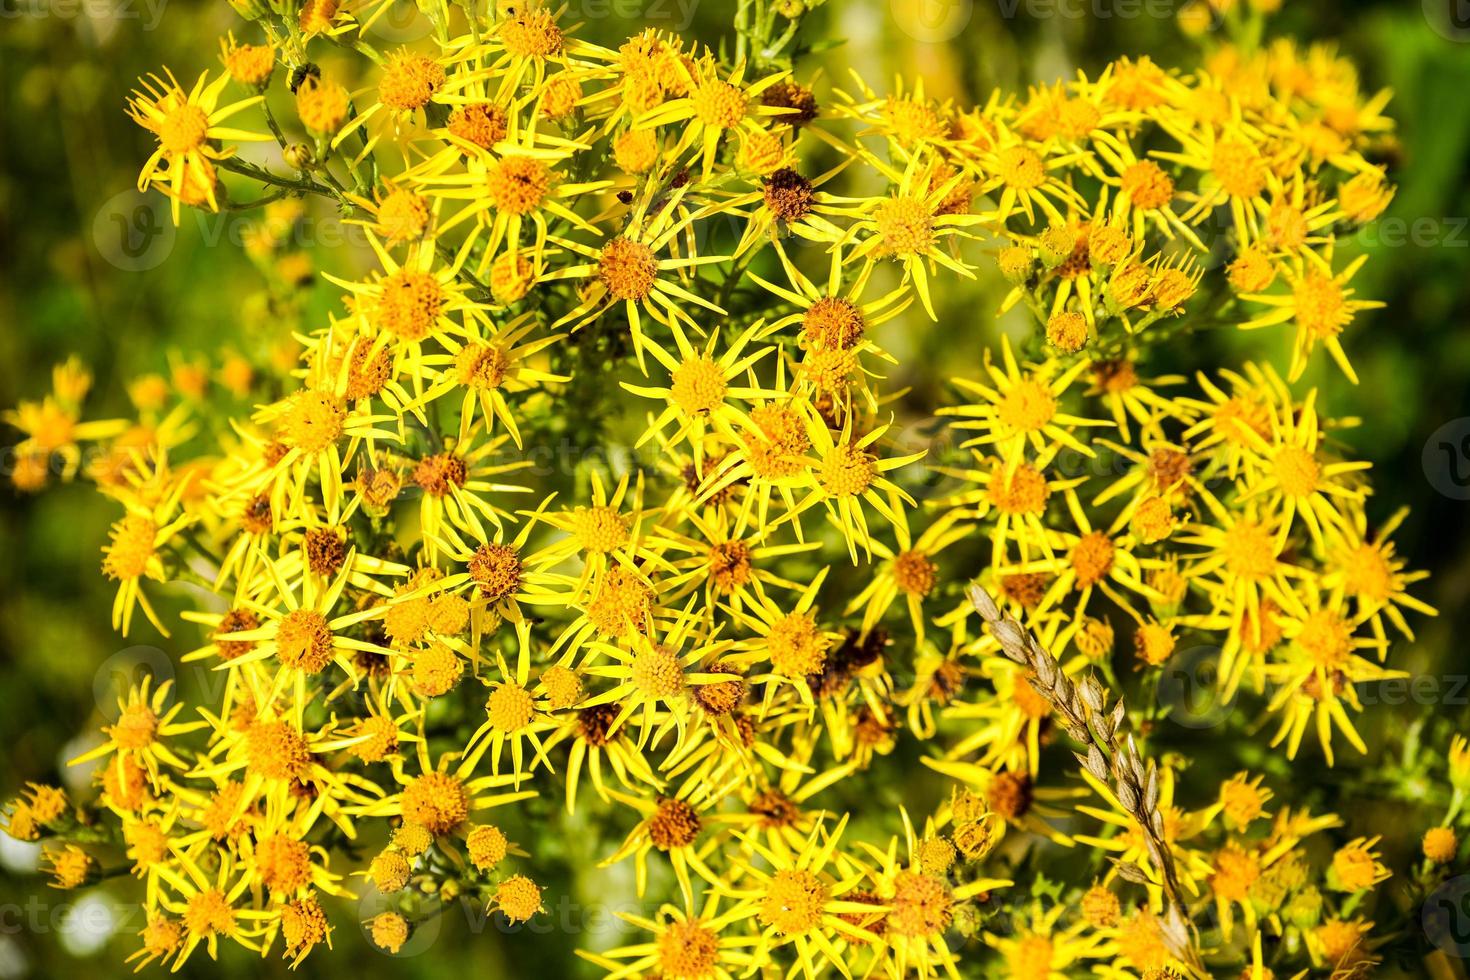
point(417, 627)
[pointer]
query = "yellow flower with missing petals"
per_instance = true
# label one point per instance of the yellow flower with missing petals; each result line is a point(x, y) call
point(189, 130)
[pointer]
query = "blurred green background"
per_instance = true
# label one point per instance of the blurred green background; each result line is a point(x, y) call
point(68, 283)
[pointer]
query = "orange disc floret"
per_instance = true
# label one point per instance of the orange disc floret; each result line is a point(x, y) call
point(921, 905)
point(249, 64)
point(1067, 331)
point(1321, 305)
point(481, 366)
point(380, 738)
point(439, 474)
point(787, 94)
point(1022, 491)
point(1092, 558)
point(510, 707)
point(1147, 186)
point(1020, 168)
point(70, 866)
point(1027, 407)
point(793, 901)
point(729, 565)
point(1297, 471)
point(316, 16)
point(905, 226)
point(1009, 794)
point(277, 750)
point(796, 646)
point(532, 34)
point(657, 671)
point(1249, 550)
point(517, 184)
point(1238, 168)
point(563, 686)
point(832, 322)
point(409, 80)
point(828, 370)
point(1100, 907)
point(135, 729)
point(674, 824)
point(1030, 958)
point(719, 104)
point(436, 801)
point(599, 530)
point(1154, 642)
point(1326, 637)
point(847, 471)
point(935, 855)
point(1030, 701)
point(480, 123)
point(622, 603)
point(436, 669)
point(409, 304)
point(788, 195)
point(390, 871)
point(131, 549)
point(284, 864)
point(560, 96)
point(627, 268)
point(1241, 802)
point(1367, 572)
point(1107, 244)
point(698, 385)
point(313, 421)
point(403, 216)
point(687, 950)
point(161, 936)
point(1252, 271)
point(326, 550)
point(594, 724)
point(389, 931)
point(1025, 588)
point(518, 897)
point(511, 277)
point(636, 151)
point(1152, 520)
point(183, 129)
point(208, 914)
point(1236, 870)
point(721, 697)
point(487, 846)
point(304, 641)
point(915, 573)
point(1440, 845)
point(303, 925)
point(912, 121)
point(46, 803)
point(1355, 867)
point(496, 570)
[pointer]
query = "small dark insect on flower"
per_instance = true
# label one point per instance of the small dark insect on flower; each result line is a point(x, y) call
point(301, 73)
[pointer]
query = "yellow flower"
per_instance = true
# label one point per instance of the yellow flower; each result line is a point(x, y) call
point(189, 130)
